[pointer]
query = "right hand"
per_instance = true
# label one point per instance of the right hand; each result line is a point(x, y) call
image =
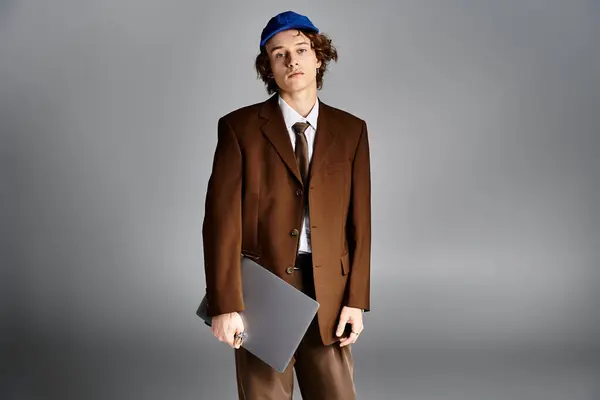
point(225, 326)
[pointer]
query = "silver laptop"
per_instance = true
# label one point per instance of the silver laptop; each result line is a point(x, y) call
point(276, 315)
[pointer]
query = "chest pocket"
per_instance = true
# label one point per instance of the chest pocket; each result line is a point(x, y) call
point(336, 168)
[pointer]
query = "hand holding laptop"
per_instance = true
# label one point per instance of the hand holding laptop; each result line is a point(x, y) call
point(227, 328)
point(275, 318)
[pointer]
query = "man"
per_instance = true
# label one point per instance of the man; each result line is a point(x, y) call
point(290, 188)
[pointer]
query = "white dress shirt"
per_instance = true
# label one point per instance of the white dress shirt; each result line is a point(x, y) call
point(290, 116)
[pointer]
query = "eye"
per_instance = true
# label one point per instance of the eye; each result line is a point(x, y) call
point(301, 50)
point(278, 55)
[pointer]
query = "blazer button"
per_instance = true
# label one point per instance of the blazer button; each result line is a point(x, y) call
point(294, 232)
point(299, 192)
point(289, 270)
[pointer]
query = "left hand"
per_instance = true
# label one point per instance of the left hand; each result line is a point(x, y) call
point(354, 317)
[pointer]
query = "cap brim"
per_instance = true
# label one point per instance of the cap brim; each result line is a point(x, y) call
point(288, 27)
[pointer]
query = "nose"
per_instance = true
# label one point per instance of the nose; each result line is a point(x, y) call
point(292, 61)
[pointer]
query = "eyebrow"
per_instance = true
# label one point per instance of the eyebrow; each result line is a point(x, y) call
point(281, 47)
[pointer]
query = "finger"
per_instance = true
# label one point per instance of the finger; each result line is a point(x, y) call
point(239, 340)
point(348, 340)
point(238, 343)
point(231, 339)
point(352, 338)
point(341, 325)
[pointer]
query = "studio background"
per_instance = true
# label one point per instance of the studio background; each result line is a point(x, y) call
point(483, 122)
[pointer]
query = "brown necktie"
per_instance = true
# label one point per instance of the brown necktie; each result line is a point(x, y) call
point(301, 149)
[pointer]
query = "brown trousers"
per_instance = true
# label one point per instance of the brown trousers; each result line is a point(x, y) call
point(323, 372)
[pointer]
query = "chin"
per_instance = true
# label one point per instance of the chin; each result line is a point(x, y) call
point(297, 86)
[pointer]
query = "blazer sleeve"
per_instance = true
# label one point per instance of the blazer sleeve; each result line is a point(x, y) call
point(359, 226)
point(222, 226)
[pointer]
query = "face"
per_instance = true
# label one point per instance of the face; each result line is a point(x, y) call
point(293, 61)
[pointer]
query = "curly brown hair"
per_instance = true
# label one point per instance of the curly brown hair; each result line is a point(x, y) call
point(319, 42)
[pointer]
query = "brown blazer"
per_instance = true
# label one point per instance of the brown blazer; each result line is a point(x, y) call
point(254, 206)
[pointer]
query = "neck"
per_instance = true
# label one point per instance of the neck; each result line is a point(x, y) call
point(302, 102)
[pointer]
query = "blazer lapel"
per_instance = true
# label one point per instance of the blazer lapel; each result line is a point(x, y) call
point(276, 132)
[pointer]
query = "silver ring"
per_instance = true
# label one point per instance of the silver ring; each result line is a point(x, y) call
point(240, 336)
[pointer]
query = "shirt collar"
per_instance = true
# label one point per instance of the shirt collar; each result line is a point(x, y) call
point(291, 116)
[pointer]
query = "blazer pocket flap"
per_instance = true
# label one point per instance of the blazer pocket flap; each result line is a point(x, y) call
point(345, 262)
point(336, 167)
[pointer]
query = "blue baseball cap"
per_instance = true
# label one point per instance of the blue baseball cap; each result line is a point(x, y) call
point(284, 21)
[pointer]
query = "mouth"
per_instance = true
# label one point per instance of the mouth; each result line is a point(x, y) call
point(295, 74)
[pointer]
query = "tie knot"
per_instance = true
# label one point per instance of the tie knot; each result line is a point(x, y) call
point(300, 127)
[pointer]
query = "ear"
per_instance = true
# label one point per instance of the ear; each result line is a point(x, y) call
point(318, 63)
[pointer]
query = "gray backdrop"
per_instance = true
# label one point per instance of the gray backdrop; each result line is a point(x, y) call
point(483, 120)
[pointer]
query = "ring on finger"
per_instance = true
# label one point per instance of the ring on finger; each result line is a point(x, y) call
point(239, 337)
